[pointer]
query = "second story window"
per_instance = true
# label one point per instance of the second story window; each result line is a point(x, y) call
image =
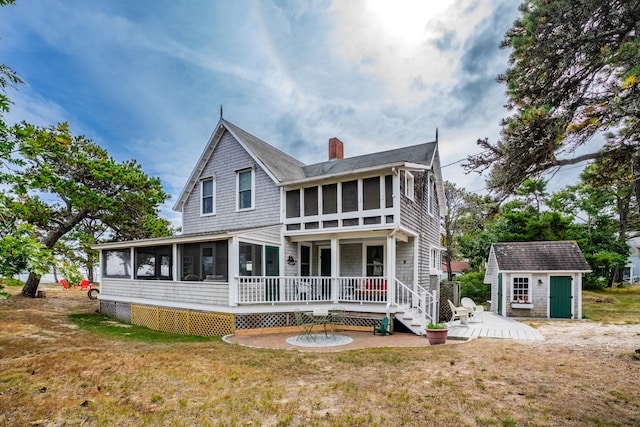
point(245, 189)
point(409, 185)
point(208, 190)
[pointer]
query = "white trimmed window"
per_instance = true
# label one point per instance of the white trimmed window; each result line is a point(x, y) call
point(245, 184)
point(520, 287)
point(409, 185)
point(207, 196)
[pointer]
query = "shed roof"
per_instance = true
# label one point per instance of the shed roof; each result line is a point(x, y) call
point(539, 256)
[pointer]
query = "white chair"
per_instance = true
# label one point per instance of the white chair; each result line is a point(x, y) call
point(474, 310)
point(458, 312)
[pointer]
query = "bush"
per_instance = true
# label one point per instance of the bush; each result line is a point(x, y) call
point(472, 286)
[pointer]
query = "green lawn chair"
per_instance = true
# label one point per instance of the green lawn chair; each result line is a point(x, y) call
point(381, 326)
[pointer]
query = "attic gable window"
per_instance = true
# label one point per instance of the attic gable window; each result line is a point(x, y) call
point(245, 184)
point(207, 190)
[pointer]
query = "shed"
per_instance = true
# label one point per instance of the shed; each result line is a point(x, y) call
point(536, 279)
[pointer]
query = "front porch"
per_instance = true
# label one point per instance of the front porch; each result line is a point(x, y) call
point(266, 301)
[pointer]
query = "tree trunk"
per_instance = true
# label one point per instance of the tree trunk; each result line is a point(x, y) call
point(635, 175)
point(30, 288)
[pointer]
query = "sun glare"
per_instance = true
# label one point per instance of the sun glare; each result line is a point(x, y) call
point(406, 19)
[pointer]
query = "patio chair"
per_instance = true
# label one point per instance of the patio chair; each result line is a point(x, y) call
point(458, 313)
point(306, 328)
point(85, 284)
point(64, 284)
point(382, 326)
point(472, 308)
point(337, 318)
point(304, 290)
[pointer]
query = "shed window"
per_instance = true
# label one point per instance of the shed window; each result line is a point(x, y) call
point(520, 290)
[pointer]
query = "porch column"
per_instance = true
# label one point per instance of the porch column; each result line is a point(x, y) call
point(132, 253)
point(234, 270)
point(335, 257)
point(174, 262)
point(391, 269)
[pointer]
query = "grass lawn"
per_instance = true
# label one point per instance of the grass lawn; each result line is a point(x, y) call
point(612, 305)
point(63, 364)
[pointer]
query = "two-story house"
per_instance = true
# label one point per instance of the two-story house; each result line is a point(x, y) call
point(264, 235)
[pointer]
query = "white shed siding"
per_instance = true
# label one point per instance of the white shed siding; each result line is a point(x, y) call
point(227, 158)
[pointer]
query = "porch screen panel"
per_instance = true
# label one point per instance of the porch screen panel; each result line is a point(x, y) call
point(305, 261)
point(371, 193)
point(350, 196)
point(388, 191)
point(250, 259)
point(116, 263)
point(293, 204)
point(375, 261)
point(154, 263)
point(330, 199)
point(311, 201)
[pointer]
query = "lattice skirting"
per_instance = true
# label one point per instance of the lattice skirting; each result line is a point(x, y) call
point(118, 310)
point(178, 321)
point(280, 320)
point(182, 321)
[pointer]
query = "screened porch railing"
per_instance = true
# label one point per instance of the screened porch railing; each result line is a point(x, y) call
point(314, 289)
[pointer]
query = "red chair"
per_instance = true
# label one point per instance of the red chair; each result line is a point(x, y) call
point(64, 283)
point(85, 284)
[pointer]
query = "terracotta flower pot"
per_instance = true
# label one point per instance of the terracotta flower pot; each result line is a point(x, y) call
point(437, 336)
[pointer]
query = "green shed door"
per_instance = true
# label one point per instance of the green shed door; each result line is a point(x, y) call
point(500, 294)
point(560, 297)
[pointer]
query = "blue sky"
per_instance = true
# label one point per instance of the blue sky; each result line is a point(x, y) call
point(145, 79)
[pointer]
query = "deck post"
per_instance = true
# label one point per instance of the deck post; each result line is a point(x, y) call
point(391, 269)
point(234, 270)
point(335, 256)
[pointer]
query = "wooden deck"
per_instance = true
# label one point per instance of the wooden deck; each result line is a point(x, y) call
point(493, 326)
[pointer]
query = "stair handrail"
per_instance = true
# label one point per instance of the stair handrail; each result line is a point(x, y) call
point(421, 297)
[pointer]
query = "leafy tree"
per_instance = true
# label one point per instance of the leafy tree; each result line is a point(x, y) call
point(603, 199)
point(454, 197)
point(574, 72)
point(64, 180)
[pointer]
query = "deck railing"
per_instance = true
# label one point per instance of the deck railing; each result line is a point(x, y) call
point(423, 302)
point(287, 289)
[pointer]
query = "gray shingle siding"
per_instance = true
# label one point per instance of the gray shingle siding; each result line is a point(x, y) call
point(414, 215)
point(227, 158)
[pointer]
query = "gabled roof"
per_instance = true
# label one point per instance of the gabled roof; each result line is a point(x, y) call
point(277, 164)
point(539, 256)
point(420, 154)
point(284, 169)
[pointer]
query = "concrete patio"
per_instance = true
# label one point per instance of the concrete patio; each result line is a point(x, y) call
point(491, 325)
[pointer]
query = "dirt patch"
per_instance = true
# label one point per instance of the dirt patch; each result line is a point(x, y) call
point(53, 373)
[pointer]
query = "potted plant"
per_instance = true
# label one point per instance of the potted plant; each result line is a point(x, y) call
point(437, 333)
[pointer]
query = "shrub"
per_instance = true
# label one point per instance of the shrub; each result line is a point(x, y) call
point(472, 286)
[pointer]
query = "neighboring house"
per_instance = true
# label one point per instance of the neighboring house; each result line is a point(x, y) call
point(632, 268)
point(265, 234)
point(536, 279)
point(457, 268)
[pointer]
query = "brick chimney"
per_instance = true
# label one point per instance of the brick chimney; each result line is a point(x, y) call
point(336, 149)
